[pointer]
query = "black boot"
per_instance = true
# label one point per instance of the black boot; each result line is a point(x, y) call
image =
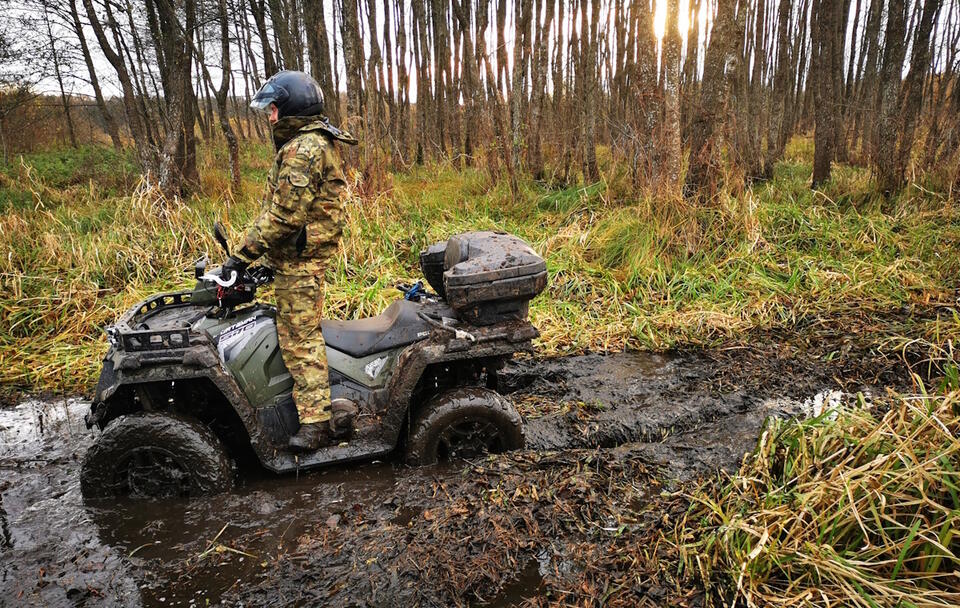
point(307, 438)
point(343, 416)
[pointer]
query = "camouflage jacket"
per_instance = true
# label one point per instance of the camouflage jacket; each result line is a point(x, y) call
point(302, 210)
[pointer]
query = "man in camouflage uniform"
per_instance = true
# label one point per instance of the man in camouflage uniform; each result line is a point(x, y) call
point(297, 233)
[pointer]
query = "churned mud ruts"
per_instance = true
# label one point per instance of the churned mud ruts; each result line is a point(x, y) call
point(611, 441)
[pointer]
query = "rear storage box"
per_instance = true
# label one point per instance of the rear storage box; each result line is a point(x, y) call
point(487, 277)
point(431, 263)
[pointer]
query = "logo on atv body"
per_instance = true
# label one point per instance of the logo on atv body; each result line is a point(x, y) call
point(235, 335)
point(374, 368)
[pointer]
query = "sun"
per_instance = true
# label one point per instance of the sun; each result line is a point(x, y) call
point(683, 22)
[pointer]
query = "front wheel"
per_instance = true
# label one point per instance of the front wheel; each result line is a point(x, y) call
point(155, 455)
point(464, 423)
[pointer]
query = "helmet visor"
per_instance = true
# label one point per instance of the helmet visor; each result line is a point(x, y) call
point(269, 93)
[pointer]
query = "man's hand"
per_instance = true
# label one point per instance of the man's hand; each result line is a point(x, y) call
point(233, 264)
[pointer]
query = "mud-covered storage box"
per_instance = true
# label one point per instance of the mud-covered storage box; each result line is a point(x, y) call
point(431, 263)
point(487, 277)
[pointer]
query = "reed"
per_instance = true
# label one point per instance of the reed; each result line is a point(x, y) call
point(856, 507)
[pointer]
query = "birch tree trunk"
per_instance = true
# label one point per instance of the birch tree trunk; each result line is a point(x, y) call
point(705, 171)
point(669, 177)
point(884, 149)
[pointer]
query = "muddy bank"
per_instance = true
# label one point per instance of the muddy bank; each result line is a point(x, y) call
point(562, 517)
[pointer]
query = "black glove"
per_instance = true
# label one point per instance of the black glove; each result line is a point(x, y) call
point(233, 264)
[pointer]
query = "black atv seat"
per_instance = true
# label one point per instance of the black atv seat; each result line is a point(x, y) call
point(399, 325)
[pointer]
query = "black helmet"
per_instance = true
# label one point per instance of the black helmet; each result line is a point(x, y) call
point(294, 93)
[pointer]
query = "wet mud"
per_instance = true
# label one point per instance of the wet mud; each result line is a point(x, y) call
point(612, 441)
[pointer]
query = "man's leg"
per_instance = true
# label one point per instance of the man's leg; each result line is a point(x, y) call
point(299, 310)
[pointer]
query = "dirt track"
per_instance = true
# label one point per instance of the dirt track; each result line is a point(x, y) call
point(611, 441)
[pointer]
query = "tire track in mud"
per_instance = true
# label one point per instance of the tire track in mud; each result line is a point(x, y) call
point(684, 407)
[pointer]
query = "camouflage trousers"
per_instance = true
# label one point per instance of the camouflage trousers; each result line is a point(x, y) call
point(299, 308)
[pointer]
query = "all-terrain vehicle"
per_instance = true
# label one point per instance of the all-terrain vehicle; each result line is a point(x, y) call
point(194, 380)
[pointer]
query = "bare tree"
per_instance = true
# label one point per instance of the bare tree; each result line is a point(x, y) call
point(669, 169)
point(911, 96)
point(705, 170)
point(59, 62)
point(108, 120)
point(588, 84)
point(318, 47)
point(535, 85)
point(138, 129)
point(827, 58)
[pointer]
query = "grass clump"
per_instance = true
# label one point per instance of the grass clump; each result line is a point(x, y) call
point(852, 508)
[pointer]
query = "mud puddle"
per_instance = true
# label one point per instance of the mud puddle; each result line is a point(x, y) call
point(58, 550)
point(501, 531)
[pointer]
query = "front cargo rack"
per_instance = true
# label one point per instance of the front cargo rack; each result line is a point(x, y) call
point(125, 335)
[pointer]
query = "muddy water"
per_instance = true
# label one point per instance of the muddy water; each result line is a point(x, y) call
point(688, 413)
point(58, 551)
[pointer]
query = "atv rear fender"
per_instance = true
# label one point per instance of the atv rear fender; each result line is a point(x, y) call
point(490, 345)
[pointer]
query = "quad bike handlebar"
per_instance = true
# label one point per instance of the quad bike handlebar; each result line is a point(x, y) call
point(240, 288)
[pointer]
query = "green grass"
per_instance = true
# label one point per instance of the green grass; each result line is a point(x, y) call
point(81, 242)
point(856, 507)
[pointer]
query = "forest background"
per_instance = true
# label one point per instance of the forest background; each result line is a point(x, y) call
point(691, 170)
point(687, 96)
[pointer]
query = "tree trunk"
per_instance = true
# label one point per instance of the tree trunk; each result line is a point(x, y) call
point(137, 129)
point(468, 80)
point(776, 131)
point(108, 120)
point(826, 56)
point(259, 12)
point(318, 49)
point(421, 47)
point(64, 100)
point(495, 94)
point(705, 172)
point(867, 90)
point(221, 94)
point(911, 98)
point(884, 149)
point(539, 86)
point(588, 89)
point(669, 177)
point(403, 119)
point(353, 60)
point(521, 38)
point(284, 24)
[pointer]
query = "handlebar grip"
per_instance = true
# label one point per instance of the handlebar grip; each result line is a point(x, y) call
point(216, 279)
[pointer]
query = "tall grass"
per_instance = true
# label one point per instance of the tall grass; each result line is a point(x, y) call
point(852, 508)
point(624, 269)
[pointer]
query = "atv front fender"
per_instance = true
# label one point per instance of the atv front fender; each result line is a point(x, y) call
point(138, 371)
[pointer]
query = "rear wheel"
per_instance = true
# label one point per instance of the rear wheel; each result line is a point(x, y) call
point(464, 423)
point(156, 455)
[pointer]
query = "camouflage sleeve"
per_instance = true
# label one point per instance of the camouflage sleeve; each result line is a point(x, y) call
point(301, 181)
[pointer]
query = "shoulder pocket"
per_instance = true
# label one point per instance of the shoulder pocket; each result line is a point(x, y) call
point(299, 179)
